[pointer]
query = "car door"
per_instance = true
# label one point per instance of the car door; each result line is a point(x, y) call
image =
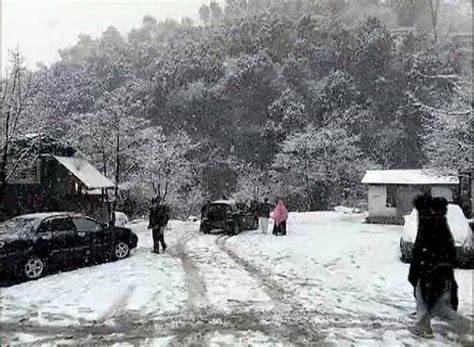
point(94, 238)
point(57, 239)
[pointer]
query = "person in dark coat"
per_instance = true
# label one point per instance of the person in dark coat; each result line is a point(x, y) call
point(159, 217)
point(432, 267)
point(263, 214)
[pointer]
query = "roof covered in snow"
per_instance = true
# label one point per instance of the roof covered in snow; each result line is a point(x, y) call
point(85, 172)
point(224, 202)
point(409, 177)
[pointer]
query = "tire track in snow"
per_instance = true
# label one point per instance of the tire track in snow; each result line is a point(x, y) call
point(286, 320)
point(311, 321)
point(191, 329)
point(197, 292)
point(273, 289)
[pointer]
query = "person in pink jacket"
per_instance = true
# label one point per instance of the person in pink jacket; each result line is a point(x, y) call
point(280, 215)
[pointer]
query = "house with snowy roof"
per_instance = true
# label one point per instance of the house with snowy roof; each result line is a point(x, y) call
point(50, 177)
point(391, 192)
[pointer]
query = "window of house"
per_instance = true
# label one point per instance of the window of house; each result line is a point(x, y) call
point(391, 196)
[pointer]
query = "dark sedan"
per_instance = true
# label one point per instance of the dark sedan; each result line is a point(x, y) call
point(31, 244)
point(227, 216)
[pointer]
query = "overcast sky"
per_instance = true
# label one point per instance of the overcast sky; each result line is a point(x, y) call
point(41, 27)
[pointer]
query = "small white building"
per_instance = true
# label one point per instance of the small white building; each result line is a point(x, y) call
point(391, 192)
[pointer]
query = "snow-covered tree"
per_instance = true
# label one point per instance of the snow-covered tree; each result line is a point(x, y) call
point(319, 162)
point(163, 164)
point(16, 91)
point(254, 74)
point(288, 112)
point(450, 131)
point(253, 183)
point(91, 134)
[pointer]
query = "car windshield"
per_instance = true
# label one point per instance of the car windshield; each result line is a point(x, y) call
point(218, 211)
point(18, 225)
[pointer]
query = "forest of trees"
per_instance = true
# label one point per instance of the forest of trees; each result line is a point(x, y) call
point(280, 98)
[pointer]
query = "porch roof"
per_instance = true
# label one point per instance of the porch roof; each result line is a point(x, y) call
point(408, 177)
point(85, 173)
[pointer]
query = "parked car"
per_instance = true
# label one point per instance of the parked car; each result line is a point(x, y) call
point(228, 217)
point(31, 244)
point(459, 226)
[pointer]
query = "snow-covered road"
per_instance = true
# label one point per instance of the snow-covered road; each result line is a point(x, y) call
point(333, 280)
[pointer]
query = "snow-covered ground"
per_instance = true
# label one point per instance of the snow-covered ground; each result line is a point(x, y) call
point(348, 273)
point(141, 287)
point(228, 284)
point(332, 280)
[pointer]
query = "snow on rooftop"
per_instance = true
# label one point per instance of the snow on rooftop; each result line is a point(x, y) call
point(32, 135)
point(94, 192)
point(407, 177)
point(85, 172)
point(224, 202)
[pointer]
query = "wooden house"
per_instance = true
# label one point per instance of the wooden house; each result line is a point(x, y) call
point(52, 179)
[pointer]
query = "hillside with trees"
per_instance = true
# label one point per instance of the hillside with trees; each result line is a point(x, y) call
point(285, 98)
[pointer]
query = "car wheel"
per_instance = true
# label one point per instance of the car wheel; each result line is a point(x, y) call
point(33, 268)
point(121, 250)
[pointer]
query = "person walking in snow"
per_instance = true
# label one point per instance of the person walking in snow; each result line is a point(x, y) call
point(159, 217)
point(280, 215)
point(432, 267)
point(263, 214)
